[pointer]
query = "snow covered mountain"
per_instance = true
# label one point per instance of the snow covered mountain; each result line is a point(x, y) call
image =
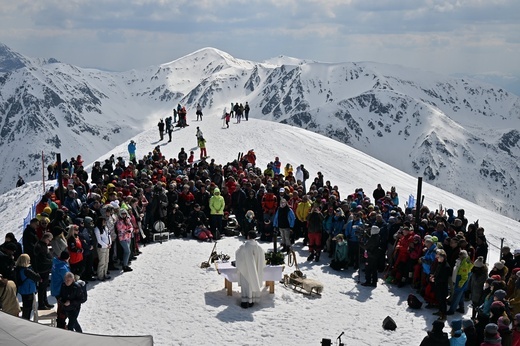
point(459, 134)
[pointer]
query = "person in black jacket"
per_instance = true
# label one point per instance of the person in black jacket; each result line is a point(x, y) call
point(440, 281)
point(469, 329)
point(160, 125)
point(30, 238)
point(43, 266)
point(71, 297)
point(7, 263)
point(372, 251)
point(10, 238)
point(436, 337)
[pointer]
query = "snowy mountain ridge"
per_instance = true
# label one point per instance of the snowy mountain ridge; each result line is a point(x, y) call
point(459, 134)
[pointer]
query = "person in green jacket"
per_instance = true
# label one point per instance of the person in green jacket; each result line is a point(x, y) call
point(340, 258)
point(201, 142)
point(461, 274)
point(216, 211)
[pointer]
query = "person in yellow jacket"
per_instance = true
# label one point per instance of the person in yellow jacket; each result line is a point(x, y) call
point(302, 211)
point(201, 142)
point(460, 277)
point(287, 169)
point(216, 211)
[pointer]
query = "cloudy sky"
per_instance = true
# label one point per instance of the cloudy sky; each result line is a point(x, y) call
point(447, 36)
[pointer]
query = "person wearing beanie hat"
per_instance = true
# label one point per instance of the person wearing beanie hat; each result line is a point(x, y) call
point(500, 265)
point(458, 338)
point(436, 337)
point(491, 336)
point(479, 274)
point(495, 277)
point(504, 330)
point(496, 310)
point(469, 329)
point(461, 273)
point(479, 262)
point(500, 295)
point(499, 268)
point(372, 257)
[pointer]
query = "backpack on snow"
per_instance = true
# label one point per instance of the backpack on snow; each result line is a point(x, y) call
point(389, 323)
point(83, 286)
point(414, 302)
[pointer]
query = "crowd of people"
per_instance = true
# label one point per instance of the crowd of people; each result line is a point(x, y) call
point(102, 221)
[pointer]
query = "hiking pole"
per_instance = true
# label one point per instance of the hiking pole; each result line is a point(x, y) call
point(207, 264)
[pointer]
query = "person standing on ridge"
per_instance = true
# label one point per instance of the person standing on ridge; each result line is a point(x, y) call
point(201, 142)
point(199, 134)
point(169, 128)
point(160, 125)
point(131, 150)
point(199, 112)
point(246, 111)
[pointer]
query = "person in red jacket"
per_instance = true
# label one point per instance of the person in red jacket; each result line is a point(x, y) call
point(75, 249)
point(405, 236)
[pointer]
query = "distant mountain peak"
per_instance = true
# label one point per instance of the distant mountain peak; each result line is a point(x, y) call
point(213, 55)
point(11, 60)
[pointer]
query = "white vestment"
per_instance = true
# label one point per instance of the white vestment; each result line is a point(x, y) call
point(250, 262)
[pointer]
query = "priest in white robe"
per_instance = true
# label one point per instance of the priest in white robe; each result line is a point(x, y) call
point(250, 262)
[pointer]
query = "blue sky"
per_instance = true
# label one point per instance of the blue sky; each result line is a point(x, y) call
point(458, 36)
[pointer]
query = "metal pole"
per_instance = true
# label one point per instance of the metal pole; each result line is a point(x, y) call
point(418, 203)
point(275, 237)
point(60, 180)
point(43, 172)
point(501, 247)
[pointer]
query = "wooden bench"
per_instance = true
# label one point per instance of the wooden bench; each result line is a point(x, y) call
point(44, 316)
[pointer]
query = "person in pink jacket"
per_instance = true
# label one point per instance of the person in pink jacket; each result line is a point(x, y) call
point(124, 233)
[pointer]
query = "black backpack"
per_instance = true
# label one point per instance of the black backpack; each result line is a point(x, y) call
point(83, 288)
point(414, 302)
point(389, 323)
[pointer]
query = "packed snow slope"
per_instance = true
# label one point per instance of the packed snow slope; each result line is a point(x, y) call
point(459, 134)
point(169, 296)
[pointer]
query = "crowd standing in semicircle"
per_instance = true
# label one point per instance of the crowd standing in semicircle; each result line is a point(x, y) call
point(102, 222)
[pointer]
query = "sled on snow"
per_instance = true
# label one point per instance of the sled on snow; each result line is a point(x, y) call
point(299, 283)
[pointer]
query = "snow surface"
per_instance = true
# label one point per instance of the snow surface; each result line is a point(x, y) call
point(169, 296)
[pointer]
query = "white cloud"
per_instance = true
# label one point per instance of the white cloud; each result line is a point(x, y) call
point(380, 30)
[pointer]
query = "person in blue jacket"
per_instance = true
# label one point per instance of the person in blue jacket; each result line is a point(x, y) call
point(131, 150)
point(337, 227)
point(284, 221)
point(60, 267)
point(356, 224)
point(26, 280)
